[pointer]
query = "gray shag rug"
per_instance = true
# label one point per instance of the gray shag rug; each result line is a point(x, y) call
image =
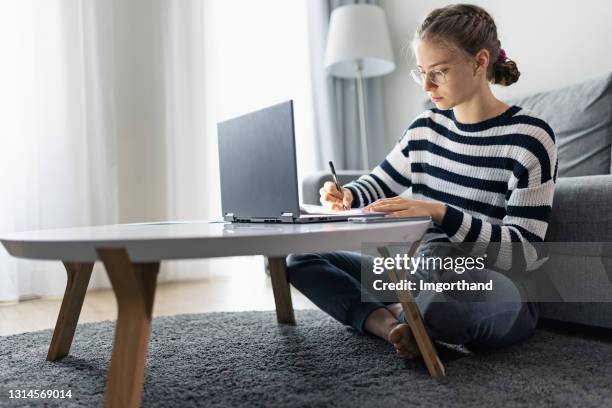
point(246, 359)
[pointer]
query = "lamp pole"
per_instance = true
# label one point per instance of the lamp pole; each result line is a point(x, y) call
point(362, 114)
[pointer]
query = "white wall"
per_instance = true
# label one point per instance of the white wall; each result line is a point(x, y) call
point(554, 43)
point(253, 59)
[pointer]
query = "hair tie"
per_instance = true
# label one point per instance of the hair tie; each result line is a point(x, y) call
point(502, 55)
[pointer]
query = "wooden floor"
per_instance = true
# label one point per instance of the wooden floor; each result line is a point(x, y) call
point(236, 291)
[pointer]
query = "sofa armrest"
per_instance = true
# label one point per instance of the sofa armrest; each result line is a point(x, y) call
point(313, 183)
point(582, 210)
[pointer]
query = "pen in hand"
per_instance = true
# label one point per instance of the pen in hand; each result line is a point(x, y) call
point(335, 177)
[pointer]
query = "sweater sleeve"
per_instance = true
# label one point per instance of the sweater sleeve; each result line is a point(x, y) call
point(389, 179)
point(510, 245)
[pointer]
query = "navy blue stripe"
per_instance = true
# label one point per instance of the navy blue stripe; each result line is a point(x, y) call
point(529, 236)
point(514, 236)
point(536, 212)
point(445, 112)
point(484, 125)
point(512, 120)
point(366, 187)
point(421, 122)
point(384, 187)
point(494, 246)
point(507, 163)
point(397, 177)
point(513, 139)
point(472, 182)
point(356, 200)
point(537, 242)
point(461, 202)
point(499, 120)
point(452, 220)
point(366, 195)
point(519, 262)
point(496, 234)
point(474, 231)
point(472, 236)
point(358, 194)
point(369, 183)
point(530, 120)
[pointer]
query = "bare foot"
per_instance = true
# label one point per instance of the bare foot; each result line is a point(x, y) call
point(402, 339)
point(395, 309)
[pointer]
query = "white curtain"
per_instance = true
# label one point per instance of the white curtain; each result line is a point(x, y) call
point(58, 148)
point(113, 107)
point(106, 104)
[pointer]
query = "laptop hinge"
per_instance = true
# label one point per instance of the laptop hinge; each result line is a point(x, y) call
point(229, 217)
point(287, 217)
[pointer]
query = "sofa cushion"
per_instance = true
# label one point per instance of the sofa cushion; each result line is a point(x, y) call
point(582, 210)
point(581, 117)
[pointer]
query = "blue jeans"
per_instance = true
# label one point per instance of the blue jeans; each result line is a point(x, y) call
point(332, 281)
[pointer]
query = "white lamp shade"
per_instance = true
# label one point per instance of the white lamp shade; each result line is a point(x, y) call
point(358, 32)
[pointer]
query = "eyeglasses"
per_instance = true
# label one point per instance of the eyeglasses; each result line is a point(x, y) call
point(435, 76)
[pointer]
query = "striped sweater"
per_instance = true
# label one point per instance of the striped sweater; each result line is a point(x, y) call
point(496, 178)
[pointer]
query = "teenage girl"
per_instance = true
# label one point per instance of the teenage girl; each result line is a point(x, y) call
point(482, 169)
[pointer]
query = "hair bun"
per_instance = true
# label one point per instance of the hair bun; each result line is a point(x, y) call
point(505, 73)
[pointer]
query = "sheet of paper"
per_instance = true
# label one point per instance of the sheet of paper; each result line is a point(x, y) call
point(319, 209)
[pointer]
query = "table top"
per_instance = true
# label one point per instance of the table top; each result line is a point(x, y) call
point(148, 242)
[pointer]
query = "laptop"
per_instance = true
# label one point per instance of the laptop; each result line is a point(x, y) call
point(258, 170)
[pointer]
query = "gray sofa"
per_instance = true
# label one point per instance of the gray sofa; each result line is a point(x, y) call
point(581, 117)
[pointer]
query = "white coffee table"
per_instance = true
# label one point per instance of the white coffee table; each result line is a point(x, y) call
point(132, 253)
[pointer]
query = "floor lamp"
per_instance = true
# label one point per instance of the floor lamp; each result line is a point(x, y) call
point(358, 46)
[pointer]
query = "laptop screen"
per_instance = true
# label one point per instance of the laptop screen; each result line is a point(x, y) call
point(257, 163)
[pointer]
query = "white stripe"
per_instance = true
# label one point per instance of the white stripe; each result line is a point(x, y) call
point(534, 226)
point(522, 128)
point(395, 187)
point(536, 132)
point(518, 153)
point(359, 195)
point(483, 239)
point(364, 193)
point(368, 189)
point(529, 252)
point(456, 166)
point(464, 228)
point(463, 169)
point(540, 195)
point(492, 220)
point(398, 161)
point(482, 196)
point(379, 190)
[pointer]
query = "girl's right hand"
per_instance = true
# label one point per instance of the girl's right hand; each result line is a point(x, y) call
point(334, 200)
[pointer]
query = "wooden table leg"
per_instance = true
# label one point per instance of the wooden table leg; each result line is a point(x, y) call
point(415, 321)
point(72, 303)
point(280, 287)
point(134, 286)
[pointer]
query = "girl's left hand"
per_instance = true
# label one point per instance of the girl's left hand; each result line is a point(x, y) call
point(407, 207)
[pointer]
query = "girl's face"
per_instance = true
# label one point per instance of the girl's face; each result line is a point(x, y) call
point(449, 78)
